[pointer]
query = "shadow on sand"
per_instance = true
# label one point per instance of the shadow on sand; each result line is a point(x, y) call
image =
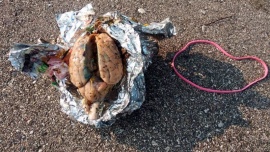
point(177, 115)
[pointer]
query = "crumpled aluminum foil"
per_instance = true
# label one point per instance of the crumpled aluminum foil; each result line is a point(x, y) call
point(27, 58)
point(131, 35)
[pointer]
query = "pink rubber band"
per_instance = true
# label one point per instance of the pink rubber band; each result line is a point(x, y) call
point(227, 54)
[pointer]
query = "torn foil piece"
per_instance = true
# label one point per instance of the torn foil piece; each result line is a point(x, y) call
point(131, 35)
point(28, 58)
point(164, 28)
point(71, 22)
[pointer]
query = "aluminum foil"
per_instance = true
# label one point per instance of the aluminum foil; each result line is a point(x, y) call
point(28, 58)
point(131, 35)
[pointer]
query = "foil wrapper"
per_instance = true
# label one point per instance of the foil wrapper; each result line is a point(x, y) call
point(131, 35)
point(28, 58)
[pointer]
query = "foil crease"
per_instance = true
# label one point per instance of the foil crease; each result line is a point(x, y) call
point(131, 35)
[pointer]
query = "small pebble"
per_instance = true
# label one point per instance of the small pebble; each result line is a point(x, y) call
point(167, 149)
point(206, 110)
point(203, 12)
point(29, 121)
point(154, 143)
point(220, 124)
point(141, 10)
point(203, 28)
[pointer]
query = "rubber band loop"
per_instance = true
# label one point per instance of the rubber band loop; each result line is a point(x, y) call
point(227, 54)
